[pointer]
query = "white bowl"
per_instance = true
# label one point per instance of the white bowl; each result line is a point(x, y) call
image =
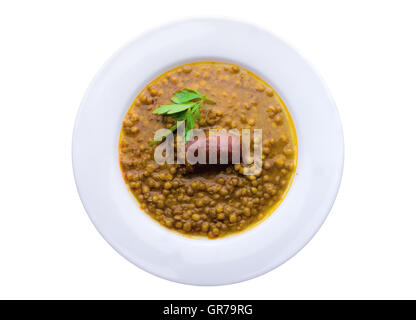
point(133, 233)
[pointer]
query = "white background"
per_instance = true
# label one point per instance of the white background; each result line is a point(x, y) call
point(49, 53)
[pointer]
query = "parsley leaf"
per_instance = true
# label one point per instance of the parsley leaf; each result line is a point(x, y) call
point(186, 95)
point(185, 108)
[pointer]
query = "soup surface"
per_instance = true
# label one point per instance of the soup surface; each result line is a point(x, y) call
point(213, 202)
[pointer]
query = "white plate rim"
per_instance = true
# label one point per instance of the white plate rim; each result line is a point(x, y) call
point(214, 280)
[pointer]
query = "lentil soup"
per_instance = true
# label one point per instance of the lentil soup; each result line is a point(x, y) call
point(209, 203)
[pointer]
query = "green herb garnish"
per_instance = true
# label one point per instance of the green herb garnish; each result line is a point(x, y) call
point(185, 107)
